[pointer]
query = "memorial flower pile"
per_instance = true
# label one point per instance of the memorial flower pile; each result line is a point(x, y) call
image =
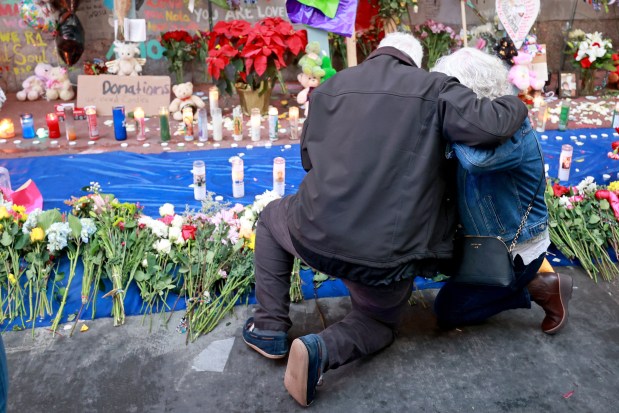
point(584, 224)
point(437, 40)
point(204, 257)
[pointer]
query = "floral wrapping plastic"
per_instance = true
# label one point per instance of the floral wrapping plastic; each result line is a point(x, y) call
point(327, 7)
point(40, 15)
point(343, 23)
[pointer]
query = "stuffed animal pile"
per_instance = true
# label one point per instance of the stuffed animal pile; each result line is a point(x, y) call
point(49, 82)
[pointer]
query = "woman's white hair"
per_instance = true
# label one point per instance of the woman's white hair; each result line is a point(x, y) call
point(485, 74)
point(404, 42)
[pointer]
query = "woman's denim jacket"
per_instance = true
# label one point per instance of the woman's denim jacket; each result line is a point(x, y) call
point(495, 187)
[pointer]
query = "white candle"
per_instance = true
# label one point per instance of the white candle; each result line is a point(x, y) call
point(255, 124)
point(273, 124)
point(542, 116)
point(199, 180)
point(237, 123)
point(217, 124)
point(138, 115)
point(293, 118)
point(202, 125)
point(279, 175)
point(238, 186)
point(213, 98)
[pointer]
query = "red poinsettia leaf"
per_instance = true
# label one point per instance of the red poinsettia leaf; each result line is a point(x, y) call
point(222, 27)
point(260, 64)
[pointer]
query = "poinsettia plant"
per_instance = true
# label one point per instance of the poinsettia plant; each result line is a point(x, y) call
point(242, 53)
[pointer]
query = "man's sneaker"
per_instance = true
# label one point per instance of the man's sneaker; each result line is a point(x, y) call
point(271, 344)
point(306, 363)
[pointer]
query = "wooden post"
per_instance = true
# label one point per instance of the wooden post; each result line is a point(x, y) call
point(463, 11)
point(351, 50)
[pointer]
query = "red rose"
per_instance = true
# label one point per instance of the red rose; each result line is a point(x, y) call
point(188, 232)
point(585, 63)
point(615, 56)
point(615, 146)
point(559, 190)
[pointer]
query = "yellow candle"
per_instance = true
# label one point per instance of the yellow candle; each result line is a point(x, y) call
point(7, 129)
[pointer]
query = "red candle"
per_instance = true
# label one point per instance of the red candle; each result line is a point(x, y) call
point(53, 126)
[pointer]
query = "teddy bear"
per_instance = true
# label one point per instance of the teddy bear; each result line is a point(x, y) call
point(34, 86)
point(311, 73)
point(184, 97)
point(126, 64)
point(525, 79)
point(58, 85)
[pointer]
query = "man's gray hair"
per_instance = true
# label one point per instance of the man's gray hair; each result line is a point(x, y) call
point(485, 74)
point(406, 43)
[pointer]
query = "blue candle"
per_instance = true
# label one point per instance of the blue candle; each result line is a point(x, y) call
point(27, 126)
point(120, 131)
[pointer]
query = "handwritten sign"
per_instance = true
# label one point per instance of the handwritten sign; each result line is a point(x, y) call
point(517, 16)
point(107, 91)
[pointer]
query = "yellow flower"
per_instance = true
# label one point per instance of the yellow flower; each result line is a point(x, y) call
point(37, 234)
point(1, 227)
point(12, 279)
point(19, 209)
point(252, 241)
point(3, 212)
point(614, 186)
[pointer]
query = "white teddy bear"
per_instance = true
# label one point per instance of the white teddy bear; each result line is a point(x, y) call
point(126, 64)
point(58, 85)
point(184, 97)
point(34, 86)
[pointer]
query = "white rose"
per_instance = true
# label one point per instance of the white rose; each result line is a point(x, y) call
point(166, 209)
point(163, 246)
point(177, 221)
point(174, 233)
point(159, 228)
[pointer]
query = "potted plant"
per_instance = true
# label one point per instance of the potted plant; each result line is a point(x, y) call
point(249, 58)
point(179, 48)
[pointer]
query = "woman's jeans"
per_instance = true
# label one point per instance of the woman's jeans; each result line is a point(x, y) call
point(461, 304)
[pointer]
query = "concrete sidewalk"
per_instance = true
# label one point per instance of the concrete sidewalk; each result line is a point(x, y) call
point(504, 365)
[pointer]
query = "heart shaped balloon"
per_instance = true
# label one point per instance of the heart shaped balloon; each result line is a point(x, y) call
point(517, 16)
point(70, 40)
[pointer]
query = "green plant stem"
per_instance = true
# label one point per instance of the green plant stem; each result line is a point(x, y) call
point(73, 258)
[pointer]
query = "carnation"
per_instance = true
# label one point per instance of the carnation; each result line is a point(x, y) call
point(177, 221)
point(163, 246)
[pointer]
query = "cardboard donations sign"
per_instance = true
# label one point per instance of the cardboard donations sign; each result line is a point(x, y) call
point(517, 16)
point(107, 91)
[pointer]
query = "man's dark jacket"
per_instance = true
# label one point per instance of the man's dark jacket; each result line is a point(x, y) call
point(377, 194)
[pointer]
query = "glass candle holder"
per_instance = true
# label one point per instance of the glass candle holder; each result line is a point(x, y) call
point(164, 123)
point(564, 115)
point(53, 126)
point(202, 125)
point(217, 124)
point(69, 123)
point(237, 124)
point(293, 119)
point(199, 180)
point(542, 117)
point(7, 129)
point(255, 121)
point(188, 122)
point(273, 123)
point(27, 125)
point(565, 162)
point(213, 98)
point(91, 118)
point(138, 115)
point(279, 175)
point(238, 185)
point(120, 130)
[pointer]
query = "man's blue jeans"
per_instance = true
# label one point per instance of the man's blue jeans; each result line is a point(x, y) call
point(460, 304)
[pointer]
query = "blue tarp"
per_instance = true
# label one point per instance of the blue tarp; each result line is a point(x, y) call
point(155, 179)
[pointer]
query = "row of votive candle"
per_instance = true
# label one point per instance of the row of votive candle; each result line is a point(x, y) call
point(238, 177)
point(7, 129)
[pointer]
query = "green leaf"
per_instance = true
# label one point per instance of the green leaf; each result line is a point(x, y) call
point(6, 239)
point(22, 241)
point(71, 317)
point(76, 226)
point(604, 205)
point(210, 257)
point(59, 276)
point(47, 218)
point(320, 277)
point(594, 219)
point(140, 276)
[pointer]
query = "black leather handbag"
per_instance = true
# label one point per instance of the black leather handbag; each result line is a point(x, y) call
point(486, 260)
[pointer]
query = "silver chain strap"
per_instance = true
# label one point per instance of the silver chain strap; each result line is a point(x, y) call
point(524, 220)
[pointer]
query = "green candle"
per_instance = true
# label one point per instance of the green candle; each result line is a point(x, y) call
point(164, 124)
